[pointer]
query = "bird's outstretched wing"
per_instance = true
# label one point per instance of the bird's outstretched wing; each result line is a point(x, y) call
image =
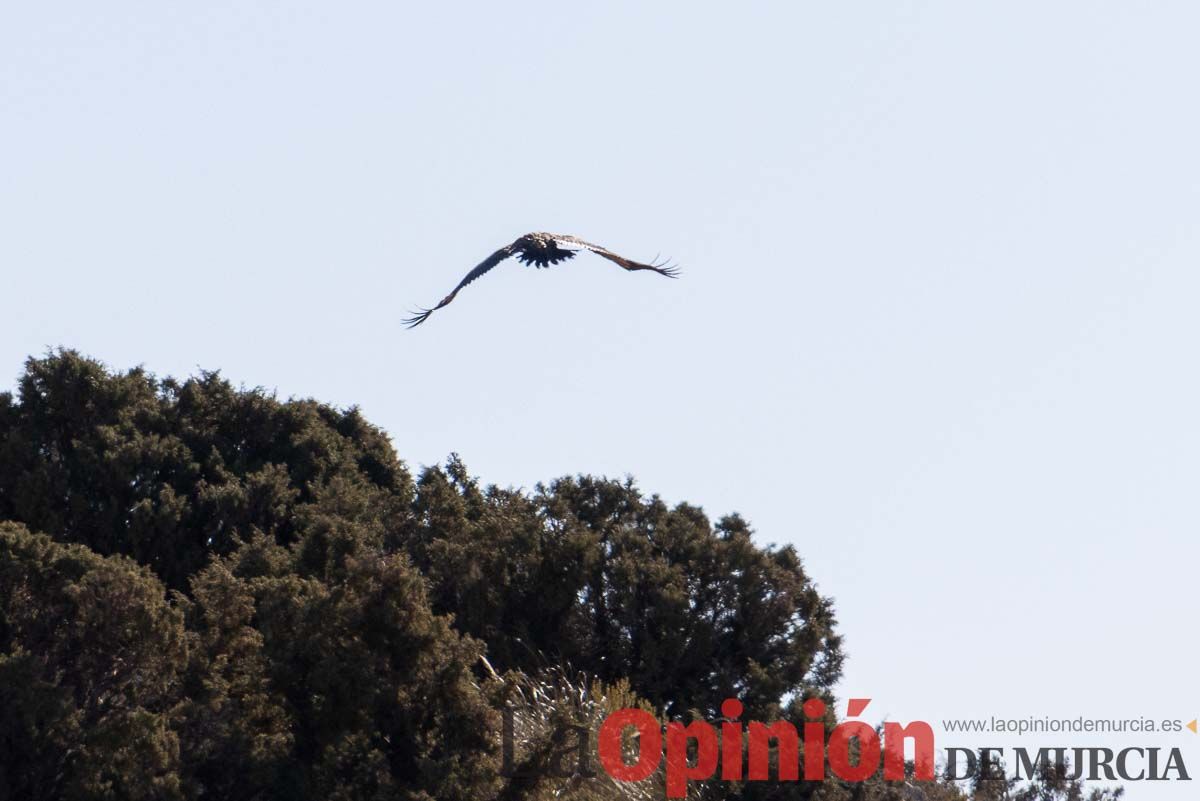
point(485, 265)
point(662, 268)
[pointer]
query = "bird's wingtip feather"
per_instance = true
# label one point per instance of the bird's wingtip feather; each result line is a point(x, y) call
point(418, 317)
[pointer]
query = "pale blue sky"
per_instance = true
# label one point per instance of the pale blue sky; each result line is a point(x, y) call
point(937, 325)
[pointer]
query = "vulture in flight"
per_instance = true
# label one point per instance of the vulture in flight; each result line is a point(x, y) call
point(541, 249)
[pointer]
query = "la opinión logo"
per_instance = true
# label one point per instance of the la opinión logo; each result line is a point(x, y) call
point(741, 751)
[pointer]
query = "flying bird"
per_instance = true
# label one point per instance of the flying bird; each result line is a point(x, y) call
point(541, 249)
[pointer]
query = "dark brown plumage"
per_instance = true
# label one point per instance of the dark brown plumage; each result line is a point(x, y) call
point(540, 249)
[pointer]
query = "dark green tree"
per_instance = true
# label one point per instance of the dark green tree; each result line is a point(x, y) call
point(308, 659)
point(381, 694)
point(590, 572)
point(91, 656)
point(170, 473)
point(234, 725)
